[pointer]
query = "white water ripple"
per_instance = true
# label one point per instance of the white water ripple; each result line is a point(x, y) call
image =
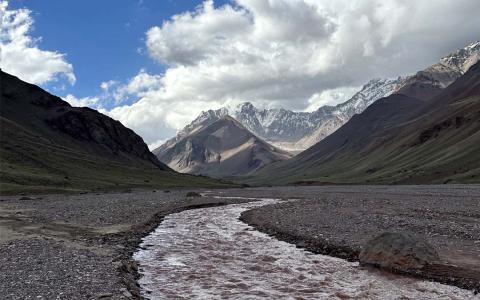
point(209, 254)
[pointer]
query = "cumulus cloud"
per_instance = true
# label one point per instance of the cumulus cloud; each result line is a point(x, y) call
point(331, 97)
point(290, 53)
point(156, 118)
point(19, 52)
point(156, 144)
point(138, 86)
point(81, 102)
point(107, 85)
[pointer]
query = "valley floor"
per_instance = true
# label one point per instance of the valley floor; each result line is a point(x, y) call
point(80, 246)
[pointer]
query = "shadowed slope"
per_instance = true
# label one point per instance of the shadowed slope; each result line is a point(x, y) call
point(47, 145)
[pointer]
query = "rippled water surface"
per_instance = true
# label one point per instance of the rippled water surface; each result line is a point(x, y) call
point(209, 254)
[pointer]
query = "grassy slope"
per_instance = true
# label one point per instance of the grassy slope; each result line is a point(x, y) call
point(450, 151)
point(36, 159)
point(31, 164)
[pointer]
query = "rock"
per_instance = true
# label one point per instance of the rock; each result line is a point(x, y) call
point(398, 251)
point(105, 295)
point(193, 194)
point(127, 294)
point(301, 244)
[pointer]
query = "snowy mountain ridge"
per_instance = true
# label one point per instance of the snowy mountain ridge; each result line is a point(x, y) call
point(296, 131)
point(443, 73)
point(292, 130)
point(462, 59)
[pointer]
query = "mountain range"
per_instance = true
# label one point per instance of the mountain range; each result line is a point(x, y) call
point(297, 131)
point(398, 139)
point(294, 131)
point(423, 128)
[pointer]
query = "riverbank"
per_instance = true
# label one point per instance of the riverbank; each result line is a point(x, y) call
point(338, 221)
point(81, 246)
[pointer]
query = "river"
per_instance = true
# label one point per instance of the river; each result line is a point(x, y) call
point(209, 254)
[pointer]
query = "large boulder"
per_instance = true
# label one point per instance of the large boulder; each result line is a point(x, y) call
point(398, 252)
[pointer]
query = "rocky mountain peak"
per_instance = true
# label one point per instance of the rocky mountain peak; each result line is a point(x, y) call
point(429, 82)
point(222, 148)
point(246, 107)
point(219, 113)
point(462, 59)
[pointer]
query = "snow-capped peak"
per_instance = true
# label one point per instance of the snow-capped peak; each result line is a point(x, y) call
point(289, 129)
point(462, 59)
point(370, 92)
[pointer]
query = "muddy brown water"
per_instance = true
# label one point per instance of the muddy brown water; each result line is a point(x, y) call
point(209, 254)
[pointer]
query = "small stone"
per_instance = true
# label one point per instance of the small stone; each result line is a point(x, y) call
point(127, 294)
point(301, 244)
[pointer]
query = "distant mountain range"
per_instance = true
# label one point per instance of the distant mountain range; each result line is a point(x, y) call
point(47, 145)
point(297, 131)
point(398, 139)
point(222, 148)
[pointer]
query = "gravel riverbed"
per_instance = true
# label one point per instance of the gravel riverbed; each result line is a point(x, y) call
point(80, 246)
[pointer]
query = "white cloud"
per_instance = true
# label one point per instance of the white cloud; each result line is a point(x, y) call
point(157, 118)
point(107, 85)
point(81, 102)
point(156, 144)
point(289, 53)
point(331, 97)
point(138, 86)
point(19, 52)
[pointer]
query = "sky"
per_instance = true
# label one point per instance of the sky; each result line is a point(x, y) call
point(155, 65)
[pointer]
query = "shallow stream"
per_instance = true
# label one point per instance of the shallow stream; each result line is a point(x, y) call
point(209, 254)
